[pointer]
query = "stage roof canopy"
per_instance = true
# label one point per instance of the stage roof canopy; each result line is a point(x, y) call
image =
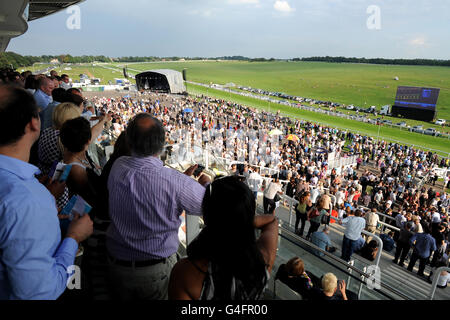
point(161, 80)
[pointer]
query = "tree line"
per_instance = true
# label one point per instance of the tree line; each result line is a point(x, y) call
point(15, 60)
point(410, 62)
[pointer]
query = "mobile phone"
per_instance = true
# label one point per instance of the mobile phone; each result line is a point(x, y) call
point(53, 169)
point(199, 170)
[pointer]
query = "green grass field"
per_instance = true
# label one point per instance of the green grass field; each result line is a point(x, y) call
point(439, 145)
point(358, 84)
point(75, 70)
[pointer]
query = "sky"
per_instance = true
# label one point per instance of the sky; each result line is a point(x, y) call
point(279, 29)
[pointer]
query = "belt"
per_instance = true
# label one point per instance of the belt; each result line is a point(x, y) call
point(136, 264)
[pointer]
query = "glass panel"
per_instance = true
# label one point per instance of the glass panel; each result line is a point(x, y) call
point(318, 266)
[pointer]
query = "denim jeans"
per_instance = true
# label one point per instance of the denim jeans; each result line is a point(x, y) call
point(348, 247)
point(146, 283)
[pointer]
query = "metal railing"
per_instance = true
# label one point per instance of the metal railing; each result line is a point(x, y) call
point(193, 227)
point(331, 113)
point(346, 266)
point(437, 274)
point(379, 241)
point(292, 202)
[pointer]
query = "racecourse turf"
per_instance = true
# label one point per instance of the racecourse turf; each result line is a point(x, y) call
point(362, 85)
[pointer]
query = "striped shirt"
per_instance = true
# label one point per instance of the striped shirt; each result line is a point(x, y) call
point(146, 200)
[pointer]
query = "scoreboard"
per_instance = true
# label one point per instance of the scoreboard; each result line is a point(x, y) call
point(416, 102)
point(414, 97)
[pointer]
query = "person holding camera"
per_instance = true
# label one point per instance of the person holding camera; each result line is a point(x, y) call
point(332, 288)
point(146, 200)
point(222, 267)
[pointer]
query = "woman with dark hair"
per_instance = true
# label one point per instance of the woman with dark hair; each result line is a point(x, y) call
point(226, 261)
point(31, 83)
point(75, 137)
point(370, 250)
point(121, 148)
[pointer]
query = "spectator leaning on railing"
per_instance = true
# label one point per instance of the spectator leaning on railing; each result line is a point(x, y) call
point(354, 225)
point(33, 260)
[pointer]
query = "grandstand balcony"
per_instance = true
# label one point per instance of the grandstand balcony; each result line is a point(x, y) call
point(15, 15)
point(391, 283)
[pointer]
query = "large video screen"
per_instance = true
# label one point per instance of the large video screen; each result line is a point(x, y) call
point(418, 98)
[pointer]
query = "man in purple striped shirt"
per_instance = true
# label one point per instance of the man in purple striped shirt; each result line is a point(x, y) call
point(146, 200)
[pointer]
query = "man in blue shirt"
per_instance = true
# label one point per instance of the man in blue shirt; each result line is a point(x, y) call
point(388, 241)
point(59, 95)
point(354, 225)
point(43, 95)
point(424, 244)
point(33, 261)
point(322, 240)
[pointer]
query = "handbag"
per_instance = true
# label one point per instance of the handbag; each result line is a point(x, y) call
point(276, 198)
point(325, 219)
point(313, 213)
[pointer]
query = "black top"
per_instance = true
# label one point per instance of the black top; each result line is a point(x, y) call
point(299, 284)
point(439, 237)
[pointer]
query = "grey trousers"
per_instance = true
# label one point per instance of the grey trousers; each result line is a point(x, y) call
point(145, 283)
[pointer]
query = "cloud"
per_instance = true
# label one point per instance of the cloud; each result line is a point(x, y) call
point(243, 1)
point(418, 42)
point(207, 13)
point(283, 6)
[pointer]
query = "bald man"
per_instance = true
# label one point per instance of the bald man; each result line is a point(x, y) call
point(146, 200)
point(43, 95)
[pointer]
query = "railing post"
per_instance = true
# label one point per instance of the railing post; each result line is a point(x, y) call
point(290, 212)
point(437, 274)
point(350, 263)
point(207, 156)
point(362, 283)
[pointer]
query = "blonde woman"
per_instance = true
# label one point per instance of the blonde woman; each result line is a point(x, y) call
point(50, 149)
point(417, 227)
point(330, 286)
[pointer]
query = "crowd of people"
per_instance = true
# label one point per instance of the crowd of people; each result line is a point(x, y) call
point(45, 122)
